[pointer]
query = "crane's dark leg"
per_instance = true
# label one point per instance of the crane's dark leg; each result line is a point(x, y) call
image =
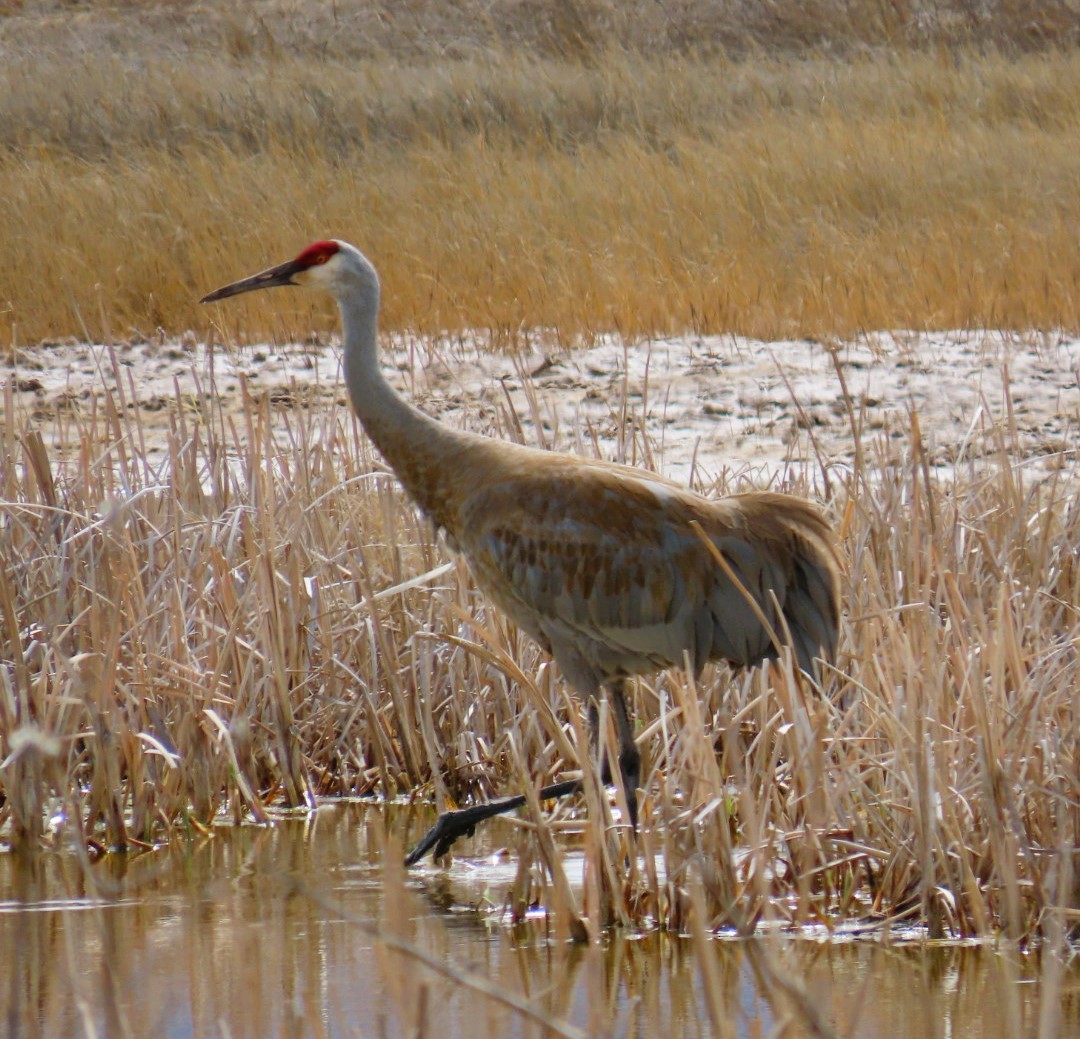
point(629, 755)
point(463, 822)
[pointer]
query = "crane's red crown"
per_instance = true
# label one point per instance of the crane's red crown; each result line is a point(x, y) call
point(316, 254)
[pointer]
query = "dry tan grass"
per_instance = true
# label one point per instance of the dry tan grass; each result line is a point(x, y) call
point(263, 620)
point(506, 190)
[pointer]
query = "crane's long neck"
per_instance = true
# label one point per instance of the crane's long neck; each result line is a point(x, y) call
point(423, 453)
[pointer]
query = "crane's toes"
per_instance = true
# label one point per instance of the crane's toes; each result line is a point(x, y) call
point(447, 829)
point(447, 840)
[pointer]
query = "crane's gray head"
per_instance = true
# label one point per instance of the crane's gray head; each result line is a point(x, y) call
point(330, 266)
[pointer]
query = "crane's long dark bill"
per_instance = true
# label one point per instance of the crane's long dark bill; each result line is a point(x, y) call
point(282, 274)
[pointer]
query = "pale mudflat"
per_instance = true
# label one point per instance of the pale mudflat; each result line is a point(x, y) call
point(698, 407)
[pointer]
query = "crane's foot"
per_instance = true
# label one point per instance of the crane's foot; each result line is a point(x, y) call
point(447, 829)
point(463, 822)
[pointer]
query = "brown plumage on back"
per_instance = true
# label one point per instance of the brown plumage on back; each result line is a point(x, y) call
point(606, 566)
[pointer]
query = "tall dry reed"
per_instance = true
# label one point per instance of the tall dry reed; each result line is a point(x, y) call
point(260, 619)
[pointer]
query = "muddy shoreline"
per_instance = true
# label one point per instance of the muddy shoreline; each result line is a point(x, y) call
point(694, 407)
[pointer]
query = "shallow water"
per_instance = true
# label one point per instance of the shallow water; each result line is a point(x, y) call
point(268, 931)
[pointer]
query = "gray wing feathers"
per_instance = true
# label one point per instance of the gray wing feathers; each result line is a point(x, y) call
point(631, 601)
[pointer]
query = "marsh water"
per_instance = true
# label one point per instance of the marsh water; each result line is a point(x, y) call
point(272, 931)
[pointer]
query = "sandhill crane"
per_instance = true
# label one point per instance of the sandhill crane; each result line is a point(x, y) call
point(614, 571)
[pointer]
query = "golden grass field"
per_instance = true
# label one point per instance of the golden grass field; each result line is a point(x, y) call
point(513, 186)
point(243, 626)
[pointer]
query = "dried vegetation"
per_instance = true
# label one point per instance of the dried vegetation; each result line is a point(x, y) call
point(581, 166)
point(263, 620)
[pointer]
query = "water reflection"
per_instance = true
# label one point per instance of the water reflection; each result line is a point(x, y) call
point(267, 932)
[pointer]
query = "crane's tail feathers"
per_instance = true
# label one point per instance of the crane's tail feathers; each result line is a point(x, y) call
point(783, 590)
point(725, 636)
point(812, 613)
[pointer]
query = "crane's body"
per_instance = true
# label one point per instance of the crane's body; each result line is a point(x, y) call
point(615, 571)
